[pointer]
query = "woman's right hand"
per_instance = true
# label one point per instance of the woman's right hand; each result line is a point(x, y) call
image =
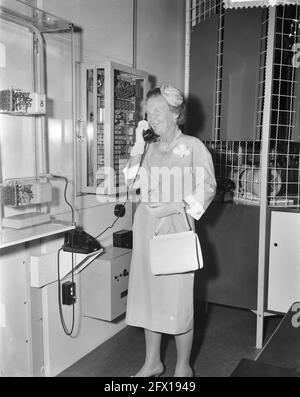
point(139, 146)
point(161, 210)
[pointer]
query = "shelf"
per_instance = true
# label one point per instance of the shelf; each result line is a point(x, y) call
point(43, 266)
point(10, 237)
point(21, 113)
point(37, 172)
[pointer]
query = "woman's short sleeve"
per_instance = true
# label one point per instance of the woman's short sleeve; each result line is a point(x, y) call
point(204, 188)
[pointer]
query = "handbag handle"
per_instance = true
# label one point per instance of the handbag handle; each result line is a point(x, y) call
point(163, 219)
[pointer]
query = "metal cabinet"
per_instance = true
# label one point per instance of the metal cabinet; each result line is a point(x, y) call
point(284, 261)
point(105, 285)
point(113, 102)
point(37, 142)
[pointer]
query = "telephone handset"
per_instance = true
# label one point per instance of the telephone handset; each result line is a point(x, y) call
point(150, 136)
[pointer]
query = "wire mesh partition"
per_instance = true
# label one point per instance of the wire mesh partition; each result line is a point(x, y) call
point(284, 148)
point(256, 159)
point(203, 9)
point(238, 172)
point(238, 163)
point(219, 74)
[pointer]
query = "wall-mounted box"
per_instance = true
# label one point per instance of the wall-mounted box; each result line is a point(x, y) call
point(284, 262)
point(105, 285)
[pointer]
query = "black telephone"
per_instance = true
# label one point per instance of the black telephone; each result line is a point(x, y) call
point(79, 241)
point(150, 136)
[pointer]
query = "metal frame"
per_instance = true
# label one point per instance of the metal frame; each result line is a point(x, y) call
point(264, 182)
point(41, 163)
point(188, 7)
point(264, 160)
point(109, 68)
point(39, 78)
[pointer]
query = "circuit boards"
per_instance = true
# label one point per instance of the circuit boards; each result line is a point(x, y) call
point(18, 193)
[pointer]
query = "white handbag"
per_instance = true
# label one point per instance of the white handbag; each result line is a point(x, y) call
point(175, 252)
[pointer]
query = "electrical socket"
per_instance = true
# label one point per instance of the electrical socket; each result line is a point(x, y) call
point(68, 293)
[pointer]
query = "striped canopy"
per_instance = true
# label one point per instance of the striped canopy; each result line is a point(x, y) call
point(257, 3)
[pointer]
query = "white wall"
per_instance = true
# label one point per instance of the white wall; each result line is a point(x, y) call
point(105, 27)
point(160, 44)
point(15, 334)
point(107, 33)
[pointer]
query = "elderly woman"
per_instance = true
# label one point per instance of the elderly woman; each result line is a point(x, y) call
point(164, 304)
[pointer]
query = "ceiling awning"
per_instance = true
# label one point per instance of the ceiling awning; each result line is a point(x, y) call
point(257, 3)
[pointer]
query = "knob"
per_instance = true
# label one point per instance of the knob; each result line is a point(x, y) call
point(119, 210)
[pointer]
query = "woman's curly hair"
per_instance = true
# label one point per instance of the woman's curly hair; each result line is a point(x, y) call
point(173, 97)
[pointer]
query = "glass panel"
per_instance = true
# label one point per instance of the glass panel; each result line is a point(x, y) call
point(90, 126)
point(28, 15)
point(36, 119)
point(128, 111)
point(59, 131)
point(100, 124)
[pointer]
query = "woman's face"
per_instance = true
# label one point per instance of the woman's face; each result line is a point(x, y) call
point(160, 116)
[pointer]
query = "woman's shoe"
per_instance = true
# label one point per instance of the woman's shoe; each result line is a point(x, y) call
point(150, 374)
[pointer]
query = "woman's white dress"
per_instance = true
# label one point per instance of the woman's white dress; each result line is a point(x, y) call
point(164, 303)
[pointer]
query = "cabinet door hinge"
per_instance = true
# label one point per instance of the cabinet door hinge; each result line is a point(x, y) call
point(36, 45)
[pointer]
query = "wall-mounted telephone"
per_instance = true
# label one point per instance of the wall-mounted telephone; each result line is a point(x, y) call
point(150, 136)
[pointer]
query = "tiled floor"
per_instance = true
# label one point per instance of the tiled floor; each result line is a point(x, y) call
point(223, 336)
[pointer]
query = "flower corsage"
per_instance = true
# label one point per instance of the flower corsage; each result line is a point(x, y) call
point(181, 150)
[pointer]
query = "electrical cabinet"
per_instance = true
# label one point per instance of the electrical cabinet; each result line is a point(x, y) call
point(37, 185)
point(113, 102)
point(284, 261)
point(105, 285)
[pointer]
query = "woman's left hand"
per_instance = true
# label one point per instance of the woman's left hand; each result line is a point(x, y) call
point(160, 210)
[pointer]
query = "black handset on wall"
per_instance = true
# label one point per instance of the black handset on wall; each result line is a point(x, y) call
point(149, 135)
